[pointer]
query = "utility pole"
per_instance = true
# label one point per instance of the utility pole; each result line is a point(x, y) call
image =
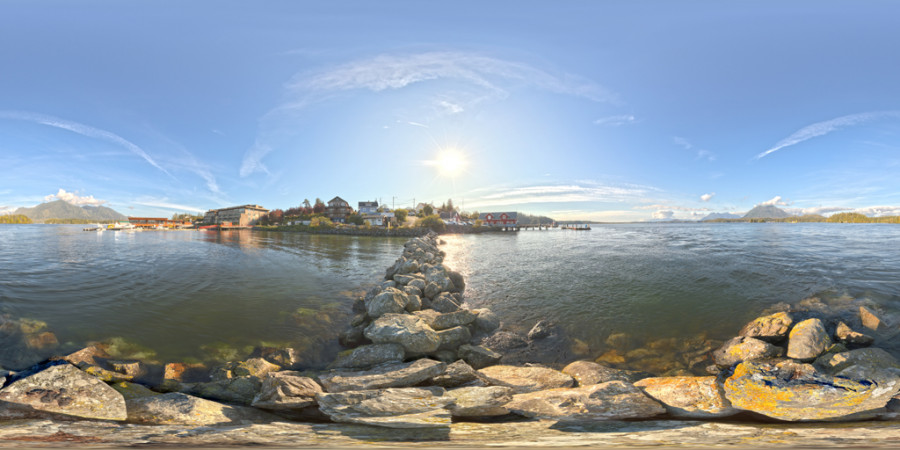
point(393, 202)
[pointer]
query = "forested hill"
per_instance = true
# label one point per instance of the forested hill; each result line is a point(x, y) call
point(60, 209)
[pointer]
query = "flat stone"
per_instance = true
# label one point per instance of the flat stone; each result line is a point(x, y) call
point(808, 340)
point(771, 328)
point(391, 408)
point(431, 291)
point(371, 355)
point(181, 409)
point(587, 373)
point(63, 389)
point(444, 303)
point(286, 391)
point(385, 376)
point(869, 319)
point(797, 392)
point(689, 397)
point(526, 379)
point(478, 356)
point(428, 316)
point(240, 390)
point(744, 348)
point(459, 318)
point(613, 400)
point(94, 354)
point(407, 330)
point(457, 374)
point(186, 373)
point(478, 401)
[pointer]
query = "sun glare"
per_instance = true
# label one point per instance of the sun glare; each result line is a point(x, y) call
point(450, 162)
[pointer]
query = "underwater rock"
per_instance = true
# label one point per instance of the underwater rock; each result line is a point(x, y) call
point(846, 335)
point(478, 356)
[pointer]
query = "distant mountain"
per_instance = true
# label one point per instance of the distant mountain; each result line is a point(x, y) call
point(766, 212)
point(62, 210)
point(715, 216)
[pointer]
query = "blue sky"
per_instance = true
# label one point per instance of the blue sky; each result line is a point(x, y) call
point(606, 110)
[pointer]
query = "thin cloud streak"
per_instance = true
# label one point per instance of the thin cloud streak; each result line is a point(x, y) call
point(559, 194)
point(83, 130)
point(615, 121)
point(166, 205)
point(825, 127)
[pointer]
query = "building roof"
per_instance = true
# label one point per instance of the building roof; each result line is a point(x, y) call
point(338, 199)
point(496, 215)
point(256, 207)
point(368, 204)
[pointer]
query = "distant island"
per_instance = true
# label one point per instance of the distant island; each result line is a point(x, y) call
point(771, 213)
point(60, 211)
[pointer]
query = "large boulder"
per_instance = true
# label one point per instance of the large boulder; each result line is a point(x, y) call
point(808, 340)
point(409, 331)
point(181, 409)
point(869, 361)
point(688, 397)
point(486, 322)
point(286, 391)
point(392, 408)
point(478, 401)
point(613, 400)
point(240, 390)
point(444, 303)
point(62, 389)
point(771, 328)
point(370, 355)
point(797, 392)
point(587, 373)
point(389, 301)
point(526, 379)
point(452, 338)
point(744, 348)
point(384, 376)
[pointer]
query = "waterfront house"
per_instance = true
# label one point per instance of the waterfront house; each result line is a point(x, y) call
point(158, 222)
point(499, 218)
point(367, 208)
point(421, 206)
point(451, 218)
point(338, 210)
point(238, 216)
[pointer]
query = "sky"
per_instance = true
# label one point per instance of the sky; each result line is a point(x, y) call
point(594, 110)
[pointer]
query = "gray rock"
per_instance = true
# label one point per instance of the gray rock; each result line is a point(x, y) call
point(385, 376)
point(526, 379)
point(503, 341)
point(410, 266)
point(390, 301)
point(241, 390)
point(389, 284)
point(413, 303)
point(392, 408)
point(457, 374)
point(407, 330)
point(428, 316)
point(445, 303)
point(459, 318)
point(370, 355)
point(587, 373)
point(417, 283)
point(870, 359)
point(459, 282)
point(688, 397)
point(452, 338)
point(253, 367)
point(354, 336)
point(486, 322)
point(808, 340)
point(412, 290)
point(403, 280)
point(869, 319)
point(431, 290)
point(540, 330)
point(480, 401)
point(438, 275)
point(846, 335)
point(286, 391)
point(797, 392)
point(744, 348)
point(62, 389)
point(771, 328)
point(181, 409)
point(613, 400)
point(478, 356)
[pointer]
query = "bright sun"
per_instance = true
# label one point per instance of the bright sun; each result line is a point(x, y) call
point(450, 162)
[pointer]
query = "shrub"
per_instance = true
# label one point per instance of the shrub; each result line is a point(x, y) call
point(433, 222)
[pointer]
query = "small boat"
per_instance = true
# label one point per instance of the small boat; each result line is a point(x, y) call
point(577, 227)
point(123, 226)
point(99, 228)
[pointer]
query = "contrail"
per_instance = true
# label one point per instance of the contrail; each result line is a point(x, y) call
point(823, 128)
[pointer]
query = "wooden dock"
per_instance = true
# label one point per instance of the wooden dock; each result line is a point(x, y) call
point(540, 227)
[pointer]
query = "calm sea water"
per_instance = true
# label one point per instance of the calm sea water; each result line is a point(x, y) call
point(190, 294)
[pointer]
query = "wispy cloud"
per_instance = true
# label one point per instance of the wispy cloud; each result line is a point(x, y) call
point(165, 204)
point(663, 215)
point(74, 199)
point(615, 121)
point(671, 207)
point(707, 197)
point(472, 76)
point(825, 127)
point(560, 194)
point(687, 145)
point(83, 130)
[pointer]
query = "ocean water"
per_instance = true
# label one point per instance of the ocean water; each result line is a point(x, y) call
point(193, 295)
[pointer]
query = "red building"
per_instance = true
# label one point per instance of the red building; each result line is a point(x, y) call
point(499, 218)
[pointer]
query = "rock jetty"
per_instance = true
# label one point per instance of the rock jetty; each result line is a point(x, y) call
point(417, 357)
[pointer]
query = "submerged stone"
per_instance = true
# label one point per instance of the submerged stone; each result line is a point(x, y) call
point(478, 356)
point(845, 334)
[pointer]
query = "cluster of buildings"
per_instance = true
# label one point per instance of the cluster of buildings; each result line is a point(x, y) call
point(339, 210)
